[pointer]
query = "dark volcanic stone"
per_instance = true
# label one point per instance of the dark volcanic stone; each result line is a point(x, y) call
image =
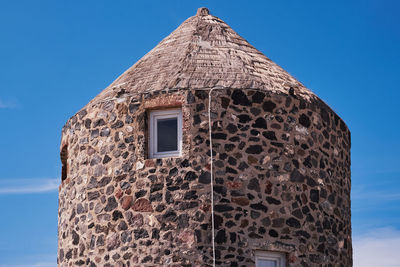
point(259, 206)
point(314, 195)
point(254, 185)
point(183, 221)
point(239, 98)
point(269, 135)
point(88, 122)
point(224, 102)
point(75, 238)
point(190, 99)
point(254, 235)
point(260, 123)
point(169, 215)
point(117, 215)
point(221, 136)
point(296, 176)
point(278, 222)
point(221, 238)
point(307, 162)
point(231, 128)
point(190, 195)
point(106, 159)
point(196, 119)
point(155, 197)
point(254, 214)
point(122, 226)
point(79, 208)
point(258, 97)
point(68, 255)
point(93, 195)
point(292, 222)
point(111, 204)
point(273, 233)
point(242, 166)
point(173, 172)
point(155, 233)
point(117, 125)
point(140, 233)
point(266, 221)
point(140, 193)
point(297, 213)
point(190, 176)
point(205, 178)
point(133, 107)
point(244, 118)
point(269, 106)
point(201, 94)
point(222, 208)
point(272, 200)
point(156, 187)
point(304, 120)
point(104, 181)
point(147, 259)
point(254, 149)
point(230, 170)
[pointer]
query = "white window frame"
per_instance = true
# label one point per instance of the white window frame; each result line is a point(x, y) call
point(277, 257)
point(155, 115)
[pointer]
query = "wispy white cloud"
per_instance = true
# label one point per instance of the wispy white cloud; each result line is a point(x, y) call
point(27, 186)
point(378, 247)
point(377, 195)
point(382, 191)
point(7, 104)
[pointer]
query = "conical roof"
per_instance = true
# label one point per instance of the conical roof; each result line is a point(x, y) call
point(203, 52)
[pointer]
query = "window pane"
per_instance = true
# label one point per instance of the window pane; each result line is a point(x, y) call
point(267, 263)
point(167, 134)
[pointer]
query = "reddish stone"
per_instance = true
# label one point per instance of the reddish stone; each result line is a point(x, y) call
point(292, 258)
point(187, 237)
point(205, 207)
point(142, 205)
point(208, 166)
point(149, 163)
point(268, 188)
point(126, 202)
point(244, 223)
point(233, 185)
point(119, 193)
point(128, 191)
point(242, 201)
point(164, 102)
point(252, 160)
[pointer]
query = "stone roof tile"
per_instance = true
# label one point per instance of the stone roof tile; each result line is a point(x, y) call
point(204, 52)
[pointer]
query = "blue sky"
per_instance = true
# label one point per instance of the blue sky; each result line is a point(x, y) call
point(57, 55)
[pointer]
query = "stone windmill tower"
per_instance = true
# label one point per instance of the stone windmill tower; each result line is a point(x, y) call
point(140, 186)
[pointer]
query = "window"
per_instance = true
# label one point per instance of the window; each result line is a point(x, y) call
point(270, 259)
point(165, 129)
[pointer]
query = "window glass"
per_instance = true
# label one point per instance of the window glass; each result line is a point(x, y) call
point(167, 134)
point(270, 259)
point(267, 263)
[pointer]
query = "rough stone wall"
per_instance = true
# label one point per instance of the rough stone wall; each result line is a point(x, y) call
point(281, 174)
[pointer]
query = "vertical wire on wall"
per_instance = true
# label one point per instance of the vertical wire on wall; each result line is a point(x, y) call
point(211, 177)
